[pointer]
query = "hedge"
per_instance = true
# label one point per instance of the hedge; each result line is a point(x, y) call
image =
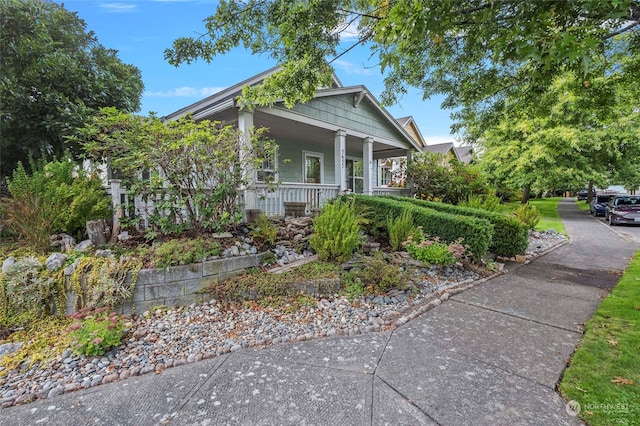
point(475, 232)
point(510, 236)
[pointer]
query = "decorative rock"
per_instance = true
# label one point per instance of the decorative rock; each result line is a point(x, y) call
point(57, 391)
point(8, 348)
point(64, 241)
point(83, 245)
point(7, 264)
point(104, 253)
point(123, 236)
point(222, 235)
point(177, 336)
point(69, 270)
point(72, 387)
point(110, 378)
point(96, 380)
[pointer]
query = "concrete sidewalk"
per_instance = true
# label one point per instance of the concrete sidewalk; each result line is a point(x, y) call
point(489, 356)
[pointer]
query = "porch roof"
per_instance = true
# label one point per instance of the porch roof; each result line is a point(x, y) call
point(221, 104)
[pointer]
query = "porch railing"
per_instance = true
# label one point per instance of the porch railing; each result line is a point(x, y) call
point(384, 190)
point(270, 202)
point(315, 195)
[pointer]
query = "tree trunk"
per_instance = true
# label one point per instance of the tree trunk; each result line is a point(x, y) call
point(97, 231)
point(590, 193)
point(526, 193)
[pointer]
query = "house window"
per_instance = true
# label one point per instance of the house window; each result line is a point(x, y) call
point(313, 167)
point(355, 175)
point(267, 171)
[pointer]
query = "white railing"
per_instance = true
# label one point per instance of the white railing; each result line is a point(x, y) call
point(315, 195)
point(389, 190)
point(270, 202)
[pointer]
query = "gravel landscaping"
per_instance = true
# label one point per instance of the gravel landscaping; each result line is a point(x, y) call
point(166, 338)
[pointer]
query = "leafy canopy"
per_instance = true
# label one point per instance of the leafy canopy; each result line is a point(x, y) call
point(53, 75)
point(571, 135)
point(475, 52)
point(194, 170)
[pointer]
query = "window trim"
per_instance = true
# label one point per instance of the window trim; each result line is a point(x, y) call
point(320, 156)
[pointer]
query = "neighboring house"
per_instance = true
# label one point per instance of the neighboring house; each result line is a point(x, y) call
point(464, 154)
point(393, 171)
point(333, 143)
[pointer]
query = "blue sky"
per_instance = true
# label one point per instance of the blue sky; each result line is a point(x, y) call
point(142, 29)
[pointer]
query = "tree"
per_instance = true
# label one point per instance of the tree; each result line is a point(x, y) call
point(476, 52)
point(195, 169)
point(53, 75)
point(436, 176)
point(572, 135)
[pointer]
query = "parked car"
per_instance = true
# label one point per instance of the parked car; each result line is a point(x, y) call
point(583, 194)
point(623, 209)
point(598, 206)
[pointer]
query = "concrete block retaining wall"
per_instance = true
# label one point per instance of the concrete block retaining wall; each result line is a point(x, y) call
point(178, 285)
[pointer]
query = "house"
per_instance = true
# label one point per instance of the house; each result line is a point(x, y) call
point(393, 171)
point(464, 154)
point(332, 144)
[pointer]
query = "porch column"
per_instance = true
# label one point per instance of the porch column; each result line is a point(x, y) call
point(367, 165)
point(409, 181)
point(340, 157)
point(245, 123)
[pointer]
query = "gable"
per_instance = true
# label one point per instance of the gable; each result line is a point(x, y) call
point(364, 117)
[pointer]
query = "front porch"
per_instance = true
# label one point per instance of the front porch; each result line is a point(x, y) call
point(271, 202)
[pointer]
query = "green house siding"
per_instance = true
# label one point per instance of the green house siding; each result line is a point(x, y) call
point(290, 160)
point(339, 110)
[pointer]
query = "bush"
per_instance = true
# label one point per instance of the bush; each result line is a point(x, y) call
point(56, 197)
point(336, 231)
point(95, 332)
point(488, 202)
point(378, 276)
point(196, 167)
point(183, 251)
point(264, 231)
point(528, 214)
point(400, 229)
point(435, 252)
point(25, 288)
point(476, 232)
point(102, 281)
point(509, 237)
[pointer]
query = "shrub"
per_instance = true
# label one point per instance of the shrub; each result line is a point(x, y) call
point(95, 332)
point(509, 236)
point(352, 286)
point(195, 168)
point(264, 231)
point(399, 229)
point(488, 202)
point(434, 252)
point(184, 251)
point(378, 275)
point(256, 284)
point(102, 281)
point(56, 197)
point(528, 214)
point(336, 231)
point(476, 232)
point(25, 288)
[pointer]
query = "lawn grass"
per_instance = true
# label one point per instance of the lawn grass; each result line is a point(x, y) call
point(548, 208)
point(583, 205)
point(604, 374)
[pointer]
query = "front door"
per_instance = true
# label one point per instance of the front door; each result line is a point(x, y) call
point(355, 175)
